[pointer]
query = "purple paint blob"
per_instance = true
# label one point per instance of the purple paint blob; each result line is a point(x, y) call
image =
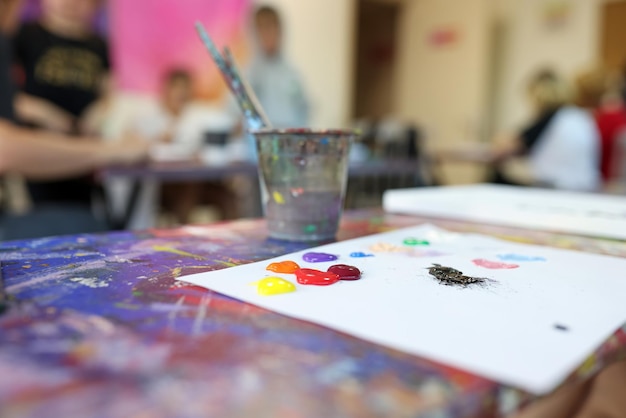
point(360, 254)
point(318, 257)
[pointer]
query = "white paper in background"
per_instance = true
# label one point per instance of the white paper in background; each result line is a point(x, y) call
point(550, 210)
point(505, 330)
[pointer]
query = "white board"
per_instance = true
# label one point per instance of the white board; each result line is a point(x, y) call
point(528, 327)
point(568, 212)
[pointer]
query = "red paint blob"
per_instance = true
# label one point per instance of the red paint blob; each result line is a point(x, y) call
point(316, 277)
point(287, 267)
point(345, 272)
point(493, 265)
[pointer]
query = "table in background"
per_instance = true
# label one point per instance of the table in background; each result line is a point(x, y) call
point(366, 180)
point(198, 171)
point(106, 330)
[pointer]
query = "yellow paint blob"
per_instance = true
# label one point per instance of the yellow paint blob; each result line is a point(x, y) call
point(274, 286)
point(278, 198)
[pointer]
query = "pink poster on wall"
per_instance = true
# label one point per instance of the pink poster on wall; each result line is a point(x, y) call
point(151, 37)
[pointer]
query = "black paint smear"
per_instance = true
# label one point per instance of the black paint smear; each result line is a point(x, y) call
point(452, 277)
point(561, 327)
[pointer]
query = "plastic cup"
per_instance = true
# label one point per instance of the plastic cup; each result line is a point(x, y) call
point(303, 176)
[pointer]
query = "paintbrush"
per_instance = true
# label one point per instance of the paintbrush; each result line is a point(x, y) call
point(246, 99)
point(248, 90)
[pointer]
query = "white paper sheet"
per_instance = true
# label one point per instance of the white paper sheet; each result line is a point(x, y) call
point(577, 213)
point(505, 330)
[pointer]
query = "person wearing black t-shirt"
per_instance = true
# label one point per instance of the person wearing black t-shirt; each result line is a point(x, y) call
point(41, 155)
point(61, 71)
point(65, 66)
point(560, 145)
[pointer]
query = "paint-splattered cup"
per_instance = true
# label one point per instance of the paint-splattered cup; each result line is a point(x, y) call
point(303, 180)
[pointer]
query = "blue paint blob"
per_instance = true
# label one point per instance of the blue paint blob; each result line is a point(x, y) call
point(519, 257)
point(360, 254)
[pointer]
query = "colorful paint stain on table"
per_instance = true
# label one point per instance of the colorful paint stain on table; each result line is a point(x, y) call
point(286, 267)
point(274, 286)
point(345, 272)
point(171, 336)
point(278, 198)
point(493, 265)
point(316, 277)
point(314, 257)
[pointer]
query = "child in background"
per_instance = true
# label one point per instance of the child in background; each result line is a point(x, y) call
point(171, 132)
point(166, 124)
point(274, 80)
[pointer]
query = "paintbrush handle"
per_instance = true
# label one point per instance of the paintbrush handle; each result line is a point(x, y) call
point(248, 90)
point(253, 112)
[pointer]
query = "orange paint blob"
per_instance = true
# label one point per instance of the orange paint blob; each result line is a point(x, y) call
point(286, 267)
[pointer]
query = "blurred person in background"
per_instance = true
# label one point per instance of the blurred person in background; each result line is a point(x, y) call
point(166, 123)
point(176, 136)
point(274, 80)
point(560, 144)
point(41, 155)
point(45, 156)
point(601, 96)
point(65, 66)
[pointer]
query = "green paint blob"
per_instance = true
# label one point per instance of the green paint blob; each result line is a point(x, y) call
point(310, 228)
point(414, 241)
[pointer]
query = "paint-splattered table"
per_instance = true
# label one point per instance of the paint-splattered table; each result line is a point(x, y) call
point(103, 329)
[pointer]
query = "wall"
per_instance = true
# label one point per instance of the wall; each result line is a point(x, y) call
point(319, 42)
point(532, 44)
point(442, 84)
point(464, 91)
point(442, 71)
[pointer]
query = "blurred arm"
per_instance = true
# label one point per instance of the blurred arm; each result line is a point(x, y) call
point(93, 119)
point(42, 113)
point(50, 156)
point(502, 150)
point(506, 148)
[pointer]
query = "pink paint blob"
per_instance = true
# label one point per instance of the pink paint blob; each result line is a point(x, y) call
point(493, 265)
point(316, 277)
